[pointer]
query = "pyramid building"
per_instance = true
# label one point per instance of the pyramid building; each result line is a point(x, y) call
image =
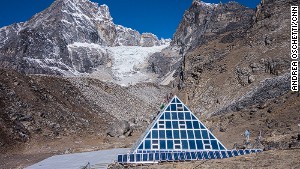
point(177, 134)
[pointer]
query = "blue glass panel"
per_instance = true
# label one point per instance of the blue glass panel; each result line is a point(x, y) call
point(241, 152)
point(190, 134)
point(141, 147)
point(170, 144)
point(192, 144)
point(147, 144)
point(188, 155)
point(168, 108)
point(162, 117)
point(149, 135)
point(235, 153)
point(223, 153)
point(162, 144)
point(145, 157)
point(162, 134)
point(183, 134)
point(194, 156)
point(173, 107)
point(174, 116)
point(168, 125)
point(169, 157)
point(211, 154)
point(205, 155)
point(229, 153)
point(163, 156)
point(181, 156)
point(155, 126)
point(173, 101)
point(180, 116)
point(176, 133)
point(199, 155)
point(154, 134)
point(204, 134)
point(131, 157)
point(150, 157)
point(193, 117)
point(176, 156)
point(184, 144)
point(187, 115)
point(214, 144)
point(167, 115)
point(247, 151)
point(185, 109)
point(189, 125)
point(197, 134)
point(138, 157)
point(124, 158)
point(206, 141)
point(156, 156)
point(169, 134)
point(196, 125)
point(177, 101)
point(221, 147)
point(175, 124)
point(201, 126)
point(120, 157)
point(199, 144)
point(217, 154)
point(253, 151)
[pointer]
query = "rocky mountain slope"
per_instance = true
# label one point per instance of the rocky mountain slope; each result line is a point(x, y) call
point(46, 44)
point(239, 59)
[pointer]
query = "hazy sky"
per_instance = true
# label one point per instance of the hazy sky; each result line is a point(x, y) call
point(160, 17)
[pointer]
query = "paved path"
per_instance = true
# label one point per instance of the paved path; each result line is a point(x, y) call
point(97, 160)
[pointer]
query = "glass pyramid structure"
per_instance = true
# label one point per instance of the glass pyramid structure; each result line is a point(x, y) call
point(177, 134)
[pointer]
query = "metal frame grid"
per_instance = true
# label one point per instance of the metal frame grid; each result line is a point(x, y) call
point(165, 156)
point(177, 129)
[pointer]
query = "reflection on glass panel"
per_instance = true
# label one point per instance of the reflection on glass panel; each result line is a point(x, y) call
point(214, 144)
point(190, 134)
point(154, 134)
point(149, 135)
point(154, 141)
point(207, 147)
point(184, 144)
point(206, 141)
point(167, 116)
point(147, 144)
point(174, 116)
point(199, 144)
point(162, 144)
point(145, 157)
point(204, 134)
point(196, 124)
point(181, 124)
point(169, 134)
point(162, 134)
point(175, 124)
point(176, 134)
point(154, 146)
point(197, 134)
point(183, 134)
point(173, 107)
point(180, 116)
point(189, 125)
point(168, 125)
point(187, 115)
point(192, 144)
point(170, 144)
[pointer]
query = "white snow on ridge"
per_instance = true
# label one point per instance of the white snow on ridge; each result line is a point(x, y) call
point(130, 63)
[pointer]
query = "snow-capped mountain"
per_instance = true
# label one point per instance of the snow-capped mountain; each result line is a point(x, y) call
point(70, 37)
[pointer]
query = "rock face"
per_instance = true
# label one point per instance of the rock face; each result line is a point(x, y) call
point(48, 42)
point(203, 22)
point(234, 56)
